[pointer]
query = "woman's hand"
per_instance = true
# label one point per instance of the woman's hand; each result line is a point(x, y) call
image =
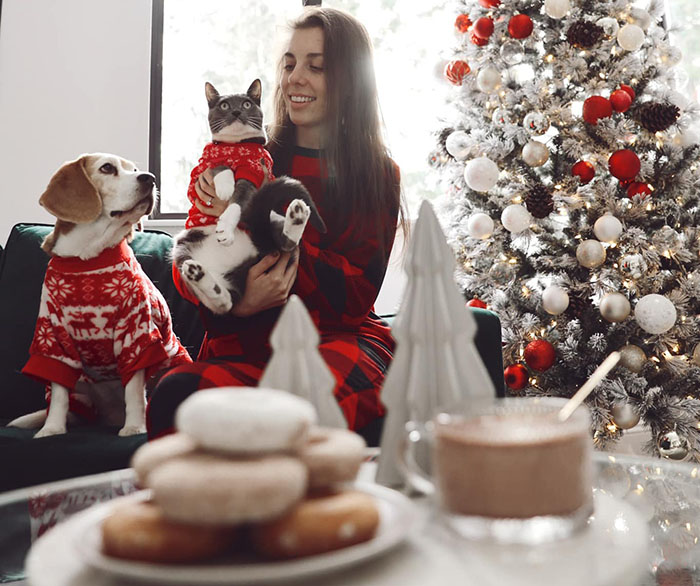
point(268, 283)
point(206, 201)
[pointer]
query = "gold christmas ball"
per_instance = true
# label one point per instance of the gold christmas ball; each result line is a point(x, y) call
point(632, 358)
point(696, 356)
point(615, 307)
point(590, 254)
point(535, 153)
point(624, 415)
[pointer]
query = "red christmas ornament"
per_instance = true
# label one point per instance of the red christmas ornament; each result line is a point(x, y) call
point(520, 26)
point(456, 71)
point(540, 355)
point(624, 164)
point(476, 303)
point(620, 101)
point(595, 108)
point(584, 170)
point(462, 23)
point(489, 3)
point(515, 376)
point(629, 90)
point(638, 188)
point(479, 42)
point(483, 27)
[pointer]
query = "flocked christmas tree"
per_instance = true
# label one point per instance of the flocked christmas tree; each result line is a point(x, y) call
point(571, 172)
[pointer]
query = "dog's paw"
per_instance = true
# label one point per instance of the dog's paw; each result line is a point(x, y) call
point(48, 431)
point(298, 214)
point(128, 430)
point(192, 271)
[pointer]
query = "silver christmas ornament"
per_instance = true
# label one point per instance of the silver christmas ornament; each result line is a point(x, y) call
point(634, 265)
point(667, 240)
point(488, 80)
point(615, 307)
point(590, 254)
point(609, 25)
point(457, 144)
point(536, 123)
point(607, 228)
point(515, 218)
point(502, 273)
point(673, 446)
point(624, 415)
point(655, 313)
point(512, 52)
point(630, 37)
point(556, 8)
point(535, 153)
point(640, 17)
point(632, 358)
point(555, 300)
point(481, 174)
point(501, 116)
point(480, 226)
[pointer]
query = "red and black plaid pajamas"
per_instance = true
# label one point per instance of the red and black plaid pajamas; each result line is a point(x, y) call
point(338, 280)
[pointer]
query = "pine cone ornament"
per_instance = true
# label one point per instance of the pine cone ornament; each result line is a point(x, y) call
point(539, 201)
point(577, 305)
point(656, 117)
point(584, 34)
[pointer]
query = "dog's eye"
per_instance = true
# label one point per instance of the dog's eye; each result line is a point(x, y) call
point(109, 169)
point(247, 105)
point(224, 106)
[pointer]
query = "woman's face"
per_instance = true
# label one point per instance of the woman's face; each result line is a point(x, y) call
point(304, 84)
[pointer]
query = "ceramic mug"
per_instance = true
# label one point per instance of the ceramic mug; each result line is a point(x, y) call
point(505, 469)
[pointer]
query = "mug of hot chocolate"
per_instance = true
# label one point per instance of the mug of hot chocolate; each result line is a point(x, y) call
point(509, 469)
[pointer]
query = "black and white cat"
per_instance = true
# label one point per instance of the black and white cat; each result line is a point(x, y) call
point(214, 260)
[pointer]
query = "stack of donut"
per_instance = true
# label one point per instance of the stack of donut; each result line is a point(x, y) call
point(246, 466)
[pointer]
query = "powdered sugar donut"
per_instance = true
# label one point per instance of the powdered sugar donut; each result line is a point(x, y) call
point(155, 452)
point(208, 489)
point(318, 524)
point(246, 420)
point(332, 455)
point(139, 531)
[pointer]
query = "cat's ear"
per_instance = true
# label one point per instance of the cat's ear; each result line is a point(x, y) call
point(210, 92)
point(255, 91)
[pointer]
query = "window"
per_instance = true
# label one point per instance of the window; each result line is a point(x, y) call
point(231, 42)
point(683, 21)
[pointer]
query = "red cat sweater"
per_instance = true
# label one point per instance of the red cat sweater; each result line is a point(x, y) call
point(247, 160)
point(101, 319)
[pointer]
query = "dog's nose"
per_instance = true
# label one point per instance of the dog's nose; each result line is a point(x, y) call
point(146, 178)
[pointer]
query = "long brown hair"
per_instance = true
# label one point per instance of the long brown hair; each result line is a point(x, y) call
point(361, 178)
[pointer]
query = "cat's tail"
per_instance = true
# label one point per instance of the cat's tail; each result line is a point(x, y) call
point(279, 192)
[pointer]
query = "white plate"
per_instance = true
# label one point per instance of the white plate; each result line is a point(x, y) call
point(398, 518)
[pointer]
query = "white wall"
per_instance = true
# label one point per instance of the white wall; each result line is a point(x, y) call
point(74, 78)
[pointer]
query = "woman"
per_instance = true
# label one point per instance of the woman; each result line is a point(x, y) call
point(327, 134)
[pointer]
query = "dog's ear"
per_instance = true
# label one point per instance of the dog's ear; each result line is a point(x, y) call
point(71, 196)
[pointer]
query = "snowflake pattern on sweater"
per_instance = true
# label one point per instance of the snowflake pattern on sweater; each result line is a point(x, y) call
point(247, 160)
point(101, 319)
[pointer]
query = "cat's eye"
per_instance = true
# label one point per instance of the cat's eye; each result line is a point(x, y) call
point(247, 104)
point(224, 106)
point(108, 169)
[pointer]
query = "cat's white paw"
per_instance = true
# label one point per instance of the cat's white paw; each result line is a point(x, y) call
point(49, 430)
point(204, 286)
point(192, 271)
point(224, 184)
point(225, 235)
point(128, 430)
point(298, 214)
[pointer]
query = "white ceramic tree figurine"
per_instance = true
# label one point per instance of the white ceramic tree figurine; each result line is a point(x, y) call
point(436, 362)
point(297, 366)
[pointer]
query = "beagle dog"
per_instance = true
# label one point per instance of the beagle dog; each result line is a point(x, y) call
point(102, 324)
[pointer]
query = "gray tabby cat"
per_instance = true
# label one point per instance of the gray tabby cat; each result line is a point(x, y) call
point(214, 260)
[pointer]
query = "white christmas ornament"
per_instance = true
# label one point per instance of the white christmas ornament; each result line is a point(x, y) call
point(297, 366)
point(488, 80)
point(590, 254)
point(555, 300)
point(481, 174)
point(535, 153)
point(512, 52)
point(609, 25)
point(480, 225)
point(556, 8)
point(630, 37)
point(436, 362)
point(615, 307)
point(607, 228)
point(655, 313)
point(515, 218)
point(457, 144)
point(640, 17)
